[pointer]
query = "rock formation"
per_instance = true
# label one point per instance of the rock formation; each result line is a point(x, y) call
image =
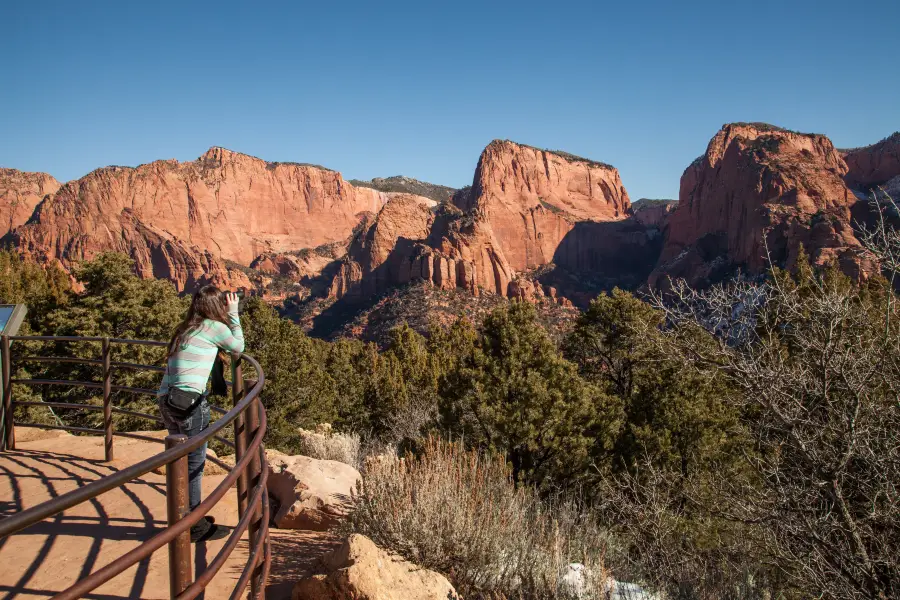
point(760, 192)
point(20, 193)
point(207, 220)
point(301, 264)
point(311, 494)
point(531, 199)
point(653, 213)
point(174, 218)
point(535, 224)
point(523, 211)
point(361, 570)
point(407, 242)
point(527, 208)
point(873, 165)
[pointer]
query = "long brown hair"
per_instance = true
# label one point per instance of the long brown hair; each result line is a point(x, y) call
point(206, 304)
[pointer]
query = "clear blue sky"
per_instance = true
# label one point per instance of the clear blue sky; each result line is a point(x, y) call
point(419, 88)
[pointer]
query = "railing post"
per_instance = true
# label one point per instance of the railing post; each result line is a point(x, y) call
point(9, 431)
point(254, 476)
point(240, 430)
point(107, 404)
point(177, 507)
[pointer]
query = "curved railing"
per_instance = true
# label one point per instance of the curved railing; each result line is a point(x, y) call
point(248, 419)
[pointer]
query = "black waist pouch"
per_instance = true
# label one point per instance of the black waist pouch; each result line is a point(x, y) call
point(219, 385)
point(182, 402)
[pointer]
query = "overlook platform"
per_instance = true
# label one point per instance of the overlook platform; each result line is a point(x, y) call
point(51, 555)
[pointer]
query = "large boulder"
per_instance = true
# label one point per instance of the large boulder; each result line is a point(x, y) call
point(361, 570)
point(309, 493)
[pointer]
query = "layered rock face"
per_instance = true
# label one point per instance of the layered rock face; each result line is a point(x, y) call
point(407, 241)
point(527, 208)
point(653, 213)
point(177, 219)
point(531, 199)
point(873, 165)
point(760, 192)
point(20, 193)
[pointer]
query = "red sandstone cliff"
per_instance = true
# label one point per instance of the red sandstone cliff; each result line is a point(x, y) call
point(180, 220)
point(875, 164)
point(407, 241)
point(760, 187)
point(20, 193)
point(532, 198)
point(527, 208)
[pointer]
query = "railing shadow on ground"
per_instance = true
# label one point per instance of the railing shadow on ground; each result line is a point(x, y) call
point(101, 528)
point(92, 478)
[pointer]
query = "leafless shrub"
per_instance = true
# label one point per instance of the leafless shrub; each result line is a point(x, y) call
point(882, 240)
point(411, 418)
point(673, 551)
point(817, 360)
point(324, 444)
point(460, 513)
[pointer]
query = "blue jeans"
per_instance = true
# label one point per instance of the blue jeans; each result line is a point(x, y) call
point(191, 425)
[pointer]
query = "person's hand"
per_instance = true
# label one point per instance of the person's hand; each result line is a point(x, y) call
point(232, 300)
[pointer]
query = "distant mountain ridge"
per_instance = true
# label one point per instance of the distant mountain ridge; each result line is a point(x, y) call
point(408, 185)
point(538, 225)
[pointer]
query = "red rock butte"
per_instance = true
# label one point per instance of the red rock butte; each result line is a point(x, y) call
point(758, 194)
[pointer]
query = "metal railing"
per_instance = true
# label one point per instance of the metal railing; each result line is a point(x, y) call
point(248, 419)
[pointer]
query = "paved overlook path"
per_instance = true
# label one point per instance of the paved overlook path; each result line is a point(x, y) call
point(51, 555)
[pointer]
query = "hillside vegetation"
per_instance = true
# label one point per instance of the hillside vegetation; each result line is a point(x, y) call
point(408, 185)
point(741, 443)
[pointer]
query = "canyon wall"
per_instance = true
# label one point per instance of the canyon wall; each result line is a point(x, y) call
point(756, 195)
point(532, 199)
point(176, 219)
point(873, 165)
point(20, 193)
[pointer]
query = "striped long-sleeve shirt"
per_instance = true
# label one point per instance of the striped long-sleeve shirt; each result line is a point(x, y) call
point(189, 368)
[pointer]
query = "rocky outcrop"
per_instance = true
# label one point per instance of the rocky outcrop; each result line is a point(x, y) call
point(359, 569)
point(527, 208)
point(207, 220)
point(873, 165)
point(377, 254)
point(758, 194)
point(301, 264)
point(20, 193)
point(309, 493)
point(407, 242)
point(531, 199)
point(223, 206)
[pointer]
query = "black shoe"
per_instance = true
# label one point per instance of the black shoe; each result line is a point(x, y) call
point(206, 530)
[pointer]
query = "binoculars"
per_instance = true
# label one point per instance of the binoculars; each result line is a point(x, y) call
point(242, 299)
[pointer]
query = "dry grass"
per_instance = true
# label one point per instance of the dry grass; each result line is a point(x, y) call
point(325, 444)
point(459, 513)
